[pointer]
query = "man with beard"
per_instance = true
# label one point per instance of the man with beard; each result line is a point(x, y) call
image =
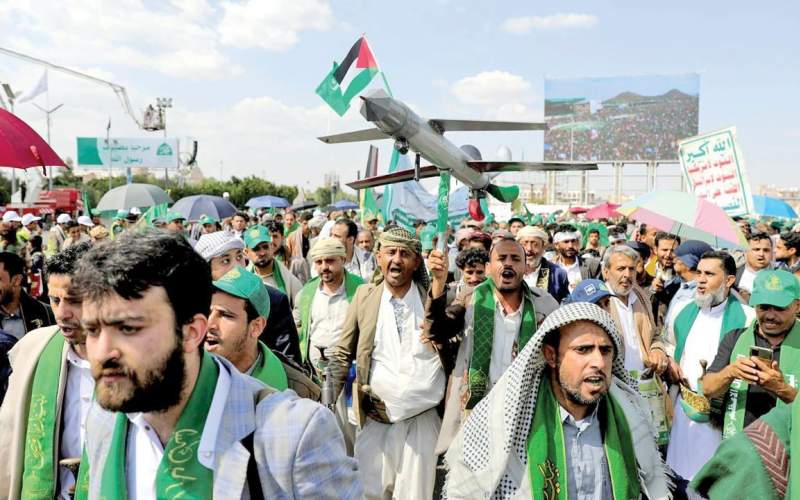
point(323, 302)
point(224, 251)
point(564, 421)
point(49, 394)
point(19, 312)
point(787, 252)
point(753, 385)
point(642, 343)
point(567, 242)
point(539, 272)
point(357, 261)
point(278, 248)
point(239, 313)
point(497, 318)
point(399, 380)
point(687, 256)
point(173, 421)
point(699, 327)
point(271, 271)
point(365, 240)
point(666, 282)
point(298, 243)
point(758, 257)
point(321, 308)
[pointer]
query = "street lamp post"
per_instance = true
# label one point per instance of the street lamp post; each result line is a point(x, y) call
point(162, 103)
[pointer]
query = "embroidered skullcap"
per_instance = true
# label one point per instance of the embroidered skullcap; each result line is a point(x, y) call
point(326, 247)
point(215, 244)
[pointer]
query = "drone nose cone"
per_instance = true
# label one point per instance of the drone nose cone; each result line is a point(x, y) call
point(373, 109)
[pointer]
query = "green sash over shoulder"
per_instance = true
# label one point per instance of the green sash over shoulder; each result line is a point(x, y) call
point(180, 474)
point(483, 334)
point(351, 283)
point(733, 318)
point(547, 462)
point(40, 468)
point(276, 273)
point(270, 369)
point(737, 393)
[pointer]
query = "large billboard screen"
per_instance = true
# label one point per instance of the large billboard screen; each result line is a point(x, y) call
point(625, 118)
point(93, 152)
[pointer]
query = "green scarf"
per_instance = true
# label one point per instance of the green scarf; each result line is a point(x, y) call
point(733, 318)
point(483, 335)
point(269, 369)
point(547, 461)
point(289, 229)
point(180, 475)
point(276, 273)
point(737, 393)
point(351, 282)
point(39, 466)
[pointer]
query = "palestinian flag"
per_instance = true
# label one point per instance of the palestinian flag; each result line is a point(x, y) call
point(358, 76)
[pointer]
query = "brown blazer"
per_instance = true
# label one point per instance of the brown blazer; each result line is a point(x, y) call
point(357, 341)
point(650, 337)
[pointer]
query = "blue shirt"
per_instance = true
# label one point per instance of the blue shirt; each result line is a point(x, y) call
point(588, 477)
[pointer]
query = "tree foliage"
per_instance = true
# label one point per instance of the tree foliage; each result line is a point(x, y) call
point(240, 190)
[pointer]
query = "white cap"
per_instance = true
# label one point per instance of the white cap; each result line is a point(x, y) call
point(11, 216)
point(28, 218)
point(85, 220)
point(135, 211)
point(63, 219)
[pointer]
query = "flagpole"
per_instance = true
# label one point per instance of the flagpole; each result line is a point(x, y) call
point(110, 156)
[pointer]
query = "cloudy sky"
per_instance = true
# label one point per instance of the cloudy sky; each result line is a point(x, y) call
point(242, 73)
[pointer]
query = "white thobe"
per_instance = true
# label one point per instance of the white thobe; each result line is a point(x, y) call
point(145, 451)
point(633, 351)
point(504, 340)
point(573, 273)
point(77, 401)
point(692, 444)
point(398, 460)
point(532, 277)
point(746, 281)
point(326, 318)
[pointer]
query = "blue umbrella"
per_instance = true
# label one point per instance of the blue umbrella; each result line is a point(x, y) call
point(267, 201)
point(345, 205)
point(193, 207)
point(772, 207)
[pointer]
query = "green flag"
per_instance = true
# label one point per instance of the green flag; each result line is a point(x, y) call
point(360, 59)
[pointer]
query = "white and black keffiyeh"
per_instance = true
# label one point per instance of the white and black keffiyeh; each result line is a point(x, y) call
point(489, 455)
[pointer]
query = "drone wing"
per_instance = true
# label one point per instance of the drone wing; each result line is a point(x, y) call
point(394, 177)
point(446, 125)
point(369, 134)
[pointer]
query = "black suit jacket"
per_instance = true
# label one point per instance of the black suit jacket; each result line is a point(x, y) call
point(280, 334)
point(36, 314)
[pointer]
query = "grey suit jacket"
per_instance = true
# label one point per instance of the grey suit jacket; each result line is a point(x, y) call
point(299, 449)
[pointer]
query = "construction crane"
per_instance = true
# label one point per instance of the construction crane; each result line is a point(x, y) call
point(119, 90)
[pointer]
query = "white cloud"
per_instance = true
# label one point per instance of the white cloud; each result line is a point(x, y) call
point(523, 25)
point(183, 38)
point(272, 24)
point(491, 87)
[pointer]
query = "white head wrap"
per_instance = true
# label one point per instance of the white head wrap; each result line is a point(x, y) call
point(326, 247)
point(532, 232)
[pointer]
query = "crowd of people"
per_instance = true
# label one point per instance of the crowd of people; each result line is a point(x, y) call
point(632, 131)
point(300, 355)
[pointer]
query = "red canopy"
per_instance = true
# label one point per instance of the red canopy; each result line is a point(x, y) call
point(22, 147)
point(578, 210)
point(604, 210)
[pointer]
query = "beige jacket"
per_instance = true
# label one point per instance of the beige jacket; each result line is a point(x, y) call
point(14, 413)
